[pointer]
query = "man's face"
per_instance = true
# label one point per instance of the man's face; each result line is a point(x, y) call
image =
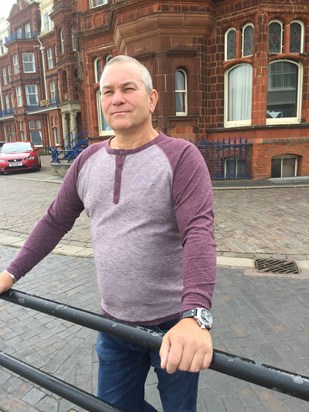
point(126, 105)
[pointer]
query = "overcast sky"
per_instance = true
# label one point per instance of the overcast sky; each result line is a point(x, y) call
point(5, 7)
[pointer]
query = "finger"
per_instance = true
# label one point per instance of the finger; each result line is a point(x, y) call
point(192, 363)
point(174, 357)
point(164, 351)
point(207, 359)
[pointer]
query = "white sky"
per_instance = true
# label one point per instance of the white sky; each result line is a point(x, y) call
point(5, 7)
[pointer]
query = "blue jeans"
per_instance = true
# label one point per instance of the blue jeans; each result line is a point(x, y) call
point(123, 369)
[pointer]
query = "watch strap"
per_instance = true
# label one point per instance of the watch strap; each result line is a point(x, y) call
point(191, 313)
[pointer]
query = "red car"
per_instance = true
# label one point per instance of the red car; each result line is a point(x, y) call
point(19, 156)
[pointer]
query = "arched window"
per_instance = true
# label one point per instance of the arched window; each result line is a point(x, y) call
point(97, 70)
point(296, 37)
point(283, 100)
point(238, 95)
point(275, 37)
point(247, 40)
point(230, 44)
point(181, 93)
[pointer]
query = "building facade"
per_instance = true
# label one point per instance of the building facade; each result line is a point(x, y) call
point(224, 69)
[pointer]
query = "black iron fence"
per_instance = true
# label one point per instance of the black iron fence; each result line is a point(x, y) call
point(227, 158)
point(263, 375)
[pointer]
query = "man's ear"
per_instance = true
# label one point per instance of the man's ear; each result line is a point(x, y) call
point(154, 97)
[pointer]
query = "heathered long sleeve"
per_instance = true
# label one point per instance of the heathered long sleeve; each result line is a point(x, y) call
point(151, 218)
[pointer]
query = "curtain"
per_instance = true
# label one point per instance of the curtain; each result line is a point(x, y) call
point(240, 93)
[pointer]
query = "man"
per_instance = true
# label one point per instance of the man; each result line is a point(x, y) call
point(149, 200)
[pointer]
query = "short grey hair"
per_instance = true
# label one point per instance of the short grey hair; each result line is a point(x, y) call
point(145, 75)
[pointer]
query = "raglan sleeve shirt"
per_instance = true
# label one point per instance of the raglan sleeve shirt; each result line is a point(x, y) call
point(188, 196)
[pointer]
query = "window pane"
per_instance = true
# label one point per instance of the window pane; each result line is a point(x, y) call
point(231, 45)
point(180, 92)
point(274, 38)
point(240, 93)
point(248, 41)
point(282, 90)
point(275, 167)
point(288, 167)
point(36, 137)
point(28, 62)
point(179, 80)
point(180, 103)
point(96, 3)
point(295, 38)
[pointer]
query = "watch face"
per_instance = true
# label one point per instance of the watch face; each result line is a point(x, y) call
point(205, 317)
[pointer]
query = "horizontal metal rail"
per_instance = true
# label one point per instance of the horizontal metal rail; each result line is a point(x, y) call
point(65, 390)
point(263, 375)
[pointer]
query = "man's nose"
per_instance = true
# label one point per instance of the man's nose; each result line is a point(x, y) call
point(118, 97)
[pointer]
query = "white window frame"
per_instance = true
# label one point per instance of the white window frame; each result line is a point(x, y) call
point(281, 158)
point(52, 92)
point(281, 36)
point(104, 129)
point(31, 91)
point(235, 123)
point(56, 136)
point(297, 118)
point(302, 34)
point(4, 76)
point(243, 40)
point(19, 33)
point(19, 97)
point(28, 62)
point(237, 167)
point(61, 41)
point(97, 70)
point(50, 58)
point(15, 64)
point(8, 102)
point(97, 3)
point(47, 21)
point(28, 30)
point(226, 43)
point(182, 92)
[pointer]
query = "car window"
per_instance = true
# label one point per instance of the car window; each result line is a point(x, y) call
point(16, 147)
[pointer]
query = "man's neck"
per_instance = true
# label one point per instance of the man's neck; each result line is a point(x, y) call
point(127, 142)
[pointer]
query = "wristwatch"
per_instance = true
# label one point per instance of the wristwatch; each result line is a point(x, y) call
point(202, 316)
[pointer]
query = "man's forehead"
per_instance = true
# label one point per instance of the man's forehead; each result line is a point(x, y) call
point(112, 82)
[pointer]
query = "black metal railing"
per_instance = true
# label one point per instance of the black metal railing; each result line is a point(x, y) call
point(227, 158)
point(263, 375)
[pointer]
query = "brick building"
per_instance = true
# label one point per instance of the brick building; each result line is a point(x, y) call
point(223, 69)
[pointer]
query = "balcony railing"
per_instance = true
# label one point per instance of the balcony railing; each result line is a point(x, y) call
point(6, 113)
point(20, 36)
point(44, 105)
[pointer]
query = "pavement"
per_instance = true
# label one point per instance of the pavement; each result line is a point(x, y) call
point(260, 316)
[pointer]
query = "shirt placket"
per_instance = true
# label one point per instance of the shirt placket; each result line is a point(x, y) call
point(119, 161)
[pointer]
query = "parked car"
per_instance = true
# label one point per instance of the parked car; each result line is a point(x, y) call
point(1, 144)
point(19, 156)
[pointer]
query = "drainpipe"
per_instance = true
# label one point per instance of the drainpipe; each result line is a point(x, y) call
point(42, 48)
